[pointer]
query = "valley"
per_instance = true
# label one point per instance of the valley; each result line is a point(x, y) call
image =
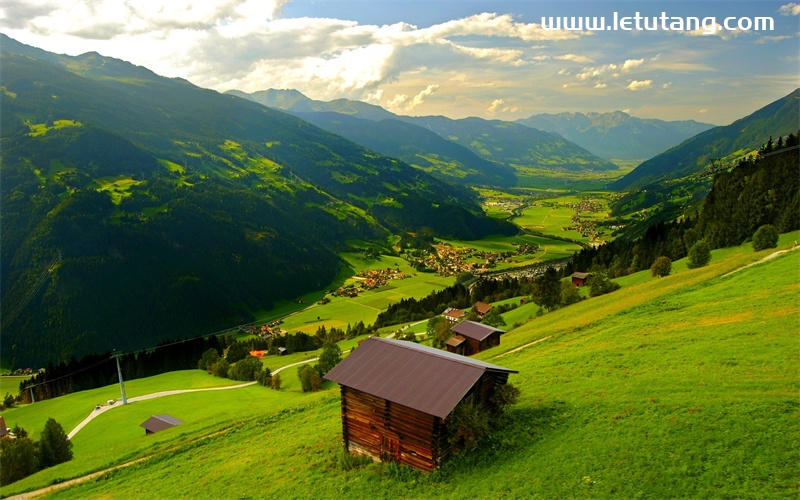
point(636, 278)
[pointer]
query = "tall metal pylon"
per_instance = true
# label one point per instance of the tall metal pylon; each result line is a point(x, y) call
point(116, 356)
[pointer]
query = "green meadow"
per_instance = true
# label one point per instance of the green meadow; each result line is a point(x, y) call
point(551, 216)
point(549, 249)
point(683, 386)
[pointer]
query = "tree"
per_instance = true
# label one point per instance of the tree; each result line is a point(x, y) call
point(765, 237)
point(699, 255)
point(221, 368)
point(8, 401)
point(54, 446)
point(690, 237)
point(304, 373)
point(569, 293)
point(237, 351)
point(503, 397)
point(17, 459)
point(331, 356)
point(209, 358)
point(494, 318)
point(661, 267)
point(245, 369)
point(438, 330)
point(547, 289)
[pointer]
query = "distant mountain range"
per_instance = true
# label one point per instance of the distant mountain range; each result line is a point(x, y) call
point(741, 137)
point(137, 208)
point(617, 135)
point(510, 147)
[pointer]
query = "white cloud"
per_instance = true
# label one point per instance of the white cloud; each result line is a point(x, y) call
point(631, 63)
point(404, 103)
point(702, 111)
point(640, 85)
point(575, 58)
point(666, 85)
point(600, 85)
point(790, 9)
point(498, 106)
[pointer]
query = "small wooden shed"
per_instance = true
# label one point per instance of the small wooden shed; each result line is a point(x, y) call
point(472, 338)
point(158, 423)
point(579, 279)
point(397, 397)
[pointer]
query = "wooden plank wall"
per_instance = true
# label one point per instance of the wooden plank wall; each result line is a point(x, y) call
point(367, 420)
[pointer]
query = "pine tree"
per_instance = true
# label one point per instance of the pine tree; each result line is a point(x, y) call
point(54, 446)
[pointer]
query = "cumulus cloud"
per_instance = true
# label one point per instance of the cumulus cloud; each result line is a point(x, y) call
point(406, 103)
point(790, 9)
point(666, 85)
point(600, 85)
point(631, 63)
point(640, 85)
point(498, 105)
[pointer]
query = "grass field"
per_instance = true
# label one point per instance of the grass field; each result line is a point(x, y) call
point(552, 215)
point(683, 386)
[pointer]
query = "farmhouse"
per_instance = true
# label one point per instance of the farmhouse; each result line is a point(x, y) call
point(453, 315)
point(158, 423)
point(579, 279)
point(397, 397)
point(472, 338)
point(482, 308)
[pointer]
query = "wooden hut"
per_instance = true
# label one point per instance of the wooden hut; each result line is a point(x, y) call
point(579, 279)
point(472, 338)
point(397, 397)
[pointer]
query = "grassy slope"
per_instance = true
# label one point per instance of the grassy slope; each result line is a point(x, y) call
point(674, 387)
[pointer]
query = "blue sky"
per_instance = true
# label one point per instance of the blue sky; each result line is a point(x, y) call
point(454, 58)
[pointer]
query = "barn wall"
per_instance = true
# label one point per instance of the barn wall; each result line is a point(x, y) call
point(388, 431)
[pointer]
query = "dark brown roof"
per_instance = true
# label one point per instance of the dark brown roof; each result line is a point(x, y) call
point(419, 377)
point(475, 331)
point(456, 340)
point(580, 276)
point(160, 422)
point(483, 307)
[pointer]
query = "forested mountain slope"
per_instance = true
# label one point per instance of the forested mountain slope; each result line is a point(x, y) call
point(740, 137)
point(137, 208)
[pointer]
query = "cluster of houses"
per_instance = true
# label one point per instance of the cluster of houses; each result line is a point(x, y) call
point(374, 278)
point(449, 261)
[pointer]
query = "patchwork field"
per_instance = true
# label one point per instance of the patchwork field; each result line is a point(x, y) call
point(557, 216)
point(684, 386)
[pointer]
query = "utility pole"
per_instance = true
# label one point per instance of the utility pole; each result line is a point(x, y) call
point(116, 356)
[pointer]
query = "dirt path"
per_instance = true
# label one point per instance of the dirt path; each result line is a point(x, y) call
point(522, 347)
point(768, 257)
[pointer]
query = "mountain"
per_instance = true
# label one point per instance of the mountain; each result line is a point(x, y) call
point(416, 146)
point(508, 145)
point(617, 135)
point(741, 137)
point(137, 208)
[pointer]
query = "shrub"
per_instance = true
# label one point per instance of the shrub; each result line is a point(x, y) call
point(275, 381)
point(504, 396)
point(661, 267)
point(600, 284)
point(348, 461)
point(305, 373)
point(765, 237)
point(699, 255)
point(467, 425)
point(17, 459)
